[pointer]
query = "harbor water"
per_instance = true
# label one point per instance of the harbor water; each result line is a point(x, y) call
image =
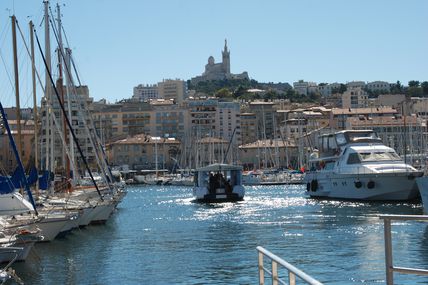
point(158, 235)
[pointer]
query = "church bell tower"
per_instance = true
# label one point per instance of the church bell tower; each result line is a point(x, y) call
point(226, 59)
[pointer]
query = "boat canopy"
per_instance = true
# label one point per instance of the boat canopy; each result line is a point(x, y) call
point(219, 167)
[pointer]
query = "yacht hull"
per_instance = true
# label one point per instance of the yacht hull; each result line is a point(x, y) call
point(370, 187)
point(202, 194)
point(102, 212)
point(423, 190)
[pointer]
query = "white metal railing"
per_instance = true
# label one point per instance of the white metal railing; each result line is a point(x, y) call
point(275, 261)
point(390, 268)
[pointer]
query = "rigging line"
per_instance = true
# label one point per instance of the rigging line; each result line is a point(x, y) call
point(75, 71)
point(7, 73)
point(65, 35)
point(67, 120)
point(4, 33)
point(72, 60)
point(95, 141)
point(49, 104)
point(18, 159)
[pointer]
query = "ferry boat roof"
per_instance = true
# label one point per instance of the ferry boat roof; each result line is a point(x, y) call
point(219, 167)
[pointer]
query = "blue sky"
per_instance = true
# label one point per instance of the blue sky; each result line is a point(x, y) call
point(120, 44)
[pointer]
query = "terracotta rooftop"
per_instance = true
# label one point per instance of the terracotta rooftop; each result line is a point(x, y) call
point(356, 111)
point(385, 121)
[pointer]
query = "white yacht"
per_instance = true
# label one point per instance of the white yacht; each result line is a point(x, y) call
point(218, 183)
point(356, 165)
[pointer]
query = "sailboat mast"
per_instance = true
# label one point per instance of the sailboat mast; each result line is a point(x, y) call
point(69, 83)
point(36, 118)
point(65, 159)
point(49, 114)
point(15, 65)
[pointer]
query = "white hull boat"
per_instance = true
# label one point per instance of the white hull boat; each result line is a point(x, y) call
point(423, 190)
point(355, 165)
point(102, 212)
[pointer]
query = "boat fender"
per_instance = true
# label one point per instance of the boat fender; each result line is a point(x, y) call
point(371, 184)
point(308, 186)
point(358, 184)
point(314, 185)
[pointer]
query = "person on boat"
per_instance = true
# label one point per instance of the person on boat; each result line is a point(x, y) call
point(212, 183)
point(218, 180)
point(228, 186)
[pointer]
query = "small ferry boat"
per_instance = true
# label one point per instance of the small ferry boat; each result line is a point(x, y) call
point(356, 165)
point(218, 183)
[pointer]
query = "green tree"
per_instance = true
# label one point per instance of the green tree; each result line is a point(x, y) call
point(340, 89)
point(240, 91)
point(424, 86)
point(396, 88)
point(223, 93)
point(413, 83)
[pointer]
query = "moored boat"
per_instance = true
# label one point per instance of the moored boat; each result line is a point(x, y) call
point(356, 165)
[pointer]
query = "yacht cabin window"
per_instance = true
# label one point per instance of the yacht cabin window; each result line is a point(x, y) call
point(340, 139)
point(353, 158)
point(379, 156)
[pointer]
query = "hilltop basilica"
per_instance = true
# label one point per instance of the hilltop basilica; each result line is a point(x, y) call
point(219, 71)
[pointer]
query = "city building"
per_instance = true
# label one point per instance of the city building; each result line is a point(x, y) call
point(393, 100)
point(379, 86)
point(248, 127)
point(28, 147)
point(339, 116)
point(52, 148)
point(328, 89)
point(144, 152)
point(305, 88)
point(145, 92)
point(262, 154)
point(115, 121)
point(167, 119)
point(356, 84)
point(172, 90)
point(265, 114)
point(355, 98)
point(418, 106)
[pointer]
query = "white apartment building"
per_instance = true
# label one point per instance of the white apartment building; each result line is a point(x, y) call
point(172, 90)
point(305, 88)
point(355, 98)
point(229, 120)
point(356, 84)
point(81, 106)
point(145, 92)
point(327, 90)
point(380, 86)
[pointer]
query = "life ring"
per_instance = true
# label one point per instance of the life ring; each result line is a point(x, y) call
point(314, 185)
point(371, 184)
point(358, 184)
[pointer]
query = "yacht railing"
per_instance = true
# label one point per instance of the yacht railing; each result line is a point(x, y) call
point(273, 272)
point(390, 268)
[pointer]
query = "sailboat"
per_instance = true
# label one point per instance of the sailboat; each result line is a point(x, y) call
point(55, 218)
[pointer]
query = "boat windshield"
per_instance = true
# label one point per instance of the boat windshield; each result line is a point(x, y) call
point(379, 156)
